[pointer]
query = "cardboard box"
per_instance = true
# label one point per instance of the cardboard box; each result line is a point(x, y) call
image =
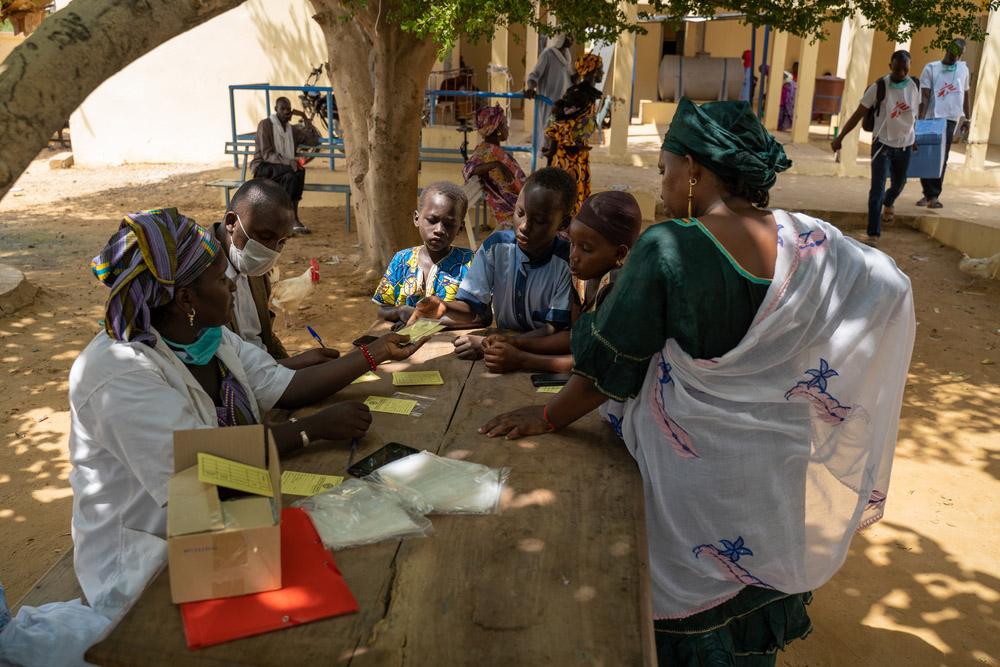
point(221, 549)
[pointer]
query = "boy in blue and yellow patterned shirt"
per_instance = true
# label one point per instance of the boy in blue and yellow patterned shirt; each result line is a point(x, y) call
point(434, 269)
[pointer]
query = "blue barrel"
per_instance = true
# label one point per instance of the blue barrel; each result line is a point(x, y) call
point(928, 160)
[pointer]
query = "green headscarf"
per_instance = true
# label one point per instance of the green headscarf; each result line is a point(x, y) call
point(727, 139)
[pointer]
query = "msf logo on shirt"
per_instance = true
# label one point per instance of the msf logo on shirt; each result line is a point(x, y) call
point(947, 89)
point(898, 110)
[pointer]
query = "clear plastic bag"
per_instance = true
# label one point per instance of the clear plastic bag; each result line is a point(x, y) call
point(423, 403)
point(360, 512)
point(447, 486)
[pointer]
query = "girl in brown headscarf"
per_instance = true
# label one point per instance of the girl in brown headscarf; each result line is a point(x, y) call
point(601, 234)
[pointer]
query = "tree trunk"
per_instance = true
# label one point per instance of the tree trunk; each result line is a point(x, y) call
point(53, 71)
point(378, 74)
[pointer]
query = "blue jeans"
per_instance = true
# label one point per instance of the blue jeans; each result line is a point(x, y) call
point(892, 163)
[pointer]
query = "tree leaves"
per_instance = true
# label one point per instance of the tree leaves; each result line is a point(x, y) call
point(445, 21)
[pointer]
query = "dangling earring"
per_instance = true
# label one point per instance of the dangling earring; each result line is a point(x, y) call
point(691, 183)
point(191, 317)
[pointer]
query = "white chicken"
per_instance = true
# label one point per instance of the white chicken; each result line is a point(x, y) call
point(289, 294)
point(986, 267)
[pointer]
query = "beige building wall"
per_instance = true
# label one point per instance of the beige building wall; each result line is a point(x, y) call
point(517, 34)
point(172, 105)
point(647, 63)
point(829, 49)
point(8, 41)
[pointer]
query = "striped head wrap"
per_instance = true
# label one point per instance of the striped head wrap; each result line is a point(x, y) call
point(588, 63)
point(490, 119)
point(152, 253)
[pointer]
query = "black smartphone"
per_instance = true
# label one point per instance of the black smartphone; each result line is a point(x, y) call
point(364, 340)
point(549, 379)
point(391, 452)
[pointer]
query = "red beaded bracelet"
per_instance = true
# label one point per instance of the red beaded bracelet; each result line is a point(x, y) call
point(368, 357)
point(545, 416)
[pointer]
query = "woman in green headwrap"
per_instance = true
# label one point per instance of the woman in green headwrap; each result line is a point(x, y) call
point(741, 350)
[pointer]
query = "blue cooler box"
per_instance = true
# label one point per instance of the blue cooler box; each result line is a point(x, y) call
point(928, 160)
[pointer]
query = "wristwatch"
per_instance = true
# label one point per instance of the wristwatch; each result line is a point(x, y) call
point(302, 433)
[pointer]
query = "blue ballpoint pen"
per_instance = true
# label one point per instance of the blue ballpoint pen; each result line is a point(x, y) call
point(354, 450)
point(312, 332)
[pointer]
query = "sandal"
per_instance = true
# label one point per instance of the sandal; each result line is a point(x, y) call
point(888, 216)
point(935, 204)
point(922, 202)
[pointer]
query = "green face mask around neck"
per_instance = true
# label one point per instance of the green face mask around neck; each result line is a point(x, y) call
point(899, 84)
point(202, 350)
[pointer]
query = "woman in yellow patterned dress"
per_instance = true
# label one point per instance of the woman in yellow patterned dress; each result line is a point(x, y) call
point(573, 121)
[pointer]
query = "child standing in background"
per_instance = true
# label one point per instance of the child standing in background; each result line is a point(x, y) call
point(500, 174)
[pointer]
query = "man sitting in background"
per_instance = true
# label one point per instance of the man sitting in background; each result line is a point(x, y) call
point(275, 159)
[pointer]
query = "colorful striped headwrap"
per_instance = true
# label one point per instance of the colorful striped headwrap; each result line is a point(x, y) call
point(151, 253)
point(490, 119)
point(588, 63)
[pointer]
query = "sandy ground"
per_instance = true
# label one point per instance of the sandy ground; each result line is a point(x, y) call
point(921, 587)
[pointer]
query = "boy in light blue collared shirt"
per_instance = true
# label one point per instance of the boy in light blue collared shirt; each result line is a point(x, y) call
point(519, 278)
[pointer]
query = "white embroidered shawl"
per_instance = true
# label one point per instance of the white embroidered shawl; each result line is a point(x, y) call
point(759, 466)
point(284, 140)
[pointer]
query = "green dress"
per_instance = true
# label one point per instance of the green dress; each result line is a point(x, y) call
point(679, 282)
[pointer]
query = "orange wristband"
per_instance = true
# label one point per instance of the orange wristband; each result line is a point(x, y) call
point(545, 416)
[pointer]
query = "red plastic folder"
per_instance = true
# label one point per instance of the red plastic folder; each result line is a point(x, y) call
point(312, 589)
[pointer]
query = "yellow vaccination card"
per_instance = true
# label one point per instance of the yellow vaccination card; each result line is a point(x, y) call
point(307, 484)
point(367, 377)
point(233, 475)
point(392, 406)
point(414, 378)
point(549, 390)
point(421, 329)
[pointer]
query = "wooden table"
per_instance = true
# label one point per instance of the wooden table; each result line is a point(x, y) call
point(559, 577)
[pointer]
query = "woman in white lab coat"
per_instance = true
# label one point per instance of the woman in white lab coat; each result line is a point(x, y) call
point(166, 362)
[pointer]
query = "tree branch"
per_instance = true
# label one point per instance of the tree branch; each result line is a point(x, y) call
point(74, 50)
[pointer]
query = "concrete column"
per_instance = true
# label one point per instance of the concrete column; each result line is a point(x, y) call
point(986, 95)
point(773, 102)
point(498, 58)
point(530, 60)
point(854, 87)
point(621, 86)
point(844, 54)
point(808, 57)
point(843, 57)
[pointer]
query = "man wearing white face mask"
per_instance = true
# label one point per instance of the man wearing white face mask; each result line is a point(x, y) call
point(253, 233)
